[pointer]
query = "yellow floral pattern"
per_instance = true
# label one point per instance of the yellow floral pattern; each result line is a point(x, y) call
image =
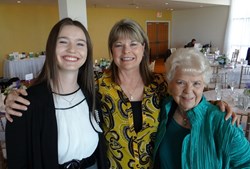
point(126, 148)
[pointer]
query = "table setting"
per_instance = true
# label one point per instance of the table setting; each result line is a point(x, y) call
point(238, 99)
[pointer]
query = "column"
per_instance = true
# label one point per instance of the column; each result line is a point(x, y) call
point(75, 9)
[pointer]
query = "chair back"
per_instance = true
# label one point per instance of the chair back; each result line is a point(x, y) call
point(217, 78)
point(235, 56)
point(244, 77)
point(245, 123)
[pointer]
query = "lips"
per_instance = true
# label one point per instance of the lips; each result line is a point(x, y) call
point(127, 58)
point(187, 98)
point(70, 58)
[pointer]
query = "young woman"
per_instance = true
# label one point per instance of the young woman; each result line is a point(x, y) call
point(59, 129)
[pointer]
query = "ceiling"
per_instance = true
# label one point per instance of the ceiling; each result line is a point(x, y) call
point(140, 4)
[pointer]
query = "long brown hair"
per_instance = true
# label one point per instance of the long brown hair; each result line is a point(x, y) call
point(85, 77)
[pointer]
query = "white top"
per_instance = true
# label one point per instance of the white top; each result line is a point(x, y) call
point(77, 138)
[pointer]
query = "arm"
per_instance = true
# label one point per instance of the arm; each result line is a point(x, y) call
point(237, 148)
point(225, 107)
point(14, 103)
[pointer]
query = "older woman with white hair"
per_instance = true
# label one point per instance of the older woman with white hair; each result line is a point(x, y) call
point(193, 133)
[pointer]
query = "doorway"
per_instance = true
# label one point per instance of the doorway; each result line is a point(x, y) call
point(158, 35)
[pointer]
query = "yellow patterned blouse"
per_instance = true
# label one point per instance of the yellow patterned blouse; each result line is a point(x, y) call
point(125, 147)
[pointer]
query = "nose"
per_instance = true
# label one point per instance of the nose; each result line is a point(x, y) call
point(71, 48)
point(188, 88)
point(126, 49)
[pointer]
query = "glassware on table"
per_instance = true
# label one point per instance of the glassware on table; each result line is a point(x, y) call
point(246, 103)
point(218, 91)
point(232, 85)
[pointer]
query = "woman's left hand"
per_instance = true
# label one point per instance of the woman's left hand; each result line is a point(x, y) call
point(228, 109)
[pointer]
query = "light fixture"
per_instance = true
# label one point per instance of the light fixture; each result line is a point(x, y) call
point(18, 2)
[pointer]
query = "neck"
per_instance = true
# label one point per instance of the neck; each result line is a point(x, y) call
point(66, 84)
point(132, 85)
point(129, 76)
point(182, 112)
point(184, 121)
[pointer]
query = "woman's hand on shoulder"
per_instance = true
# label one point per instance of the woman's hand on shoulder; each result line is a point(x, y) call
point(224, 107)
point(14, 102)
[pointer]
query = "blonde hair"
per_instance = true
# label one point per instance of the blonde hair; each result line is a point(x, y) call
point(188, 60)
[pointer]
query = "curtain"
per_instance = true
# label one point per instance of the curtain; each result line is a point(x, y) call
point(237, 35)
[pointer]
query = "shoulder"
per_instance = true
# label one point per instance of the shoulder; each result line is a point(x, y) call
point(159, 84)
point(39, 92)
point(212, 111)
point(159, 77)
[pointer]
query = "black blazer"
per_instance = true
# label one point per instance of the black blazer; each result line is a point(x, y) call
point(31, 140)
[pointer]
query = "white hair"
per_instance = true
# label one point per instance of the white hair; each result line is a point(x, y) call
point(188, 60)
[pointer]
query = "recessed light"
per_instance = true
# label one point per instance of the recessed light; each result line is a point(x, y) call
point(166, 3)
point(18, 2)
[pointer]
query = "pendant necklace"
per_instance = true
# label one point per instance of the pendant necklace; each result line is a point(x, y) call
point(64, 96)
point(70, 100)
point(131, 98)
point(185, 120)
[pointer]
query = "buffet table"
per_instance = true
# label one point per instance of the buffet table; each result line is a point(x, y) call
point(19, 68)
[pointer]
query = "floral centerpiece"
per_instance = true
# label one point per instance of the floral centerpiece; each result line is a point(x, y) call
point(247, 90)
point(222, 60)
point(104, 63)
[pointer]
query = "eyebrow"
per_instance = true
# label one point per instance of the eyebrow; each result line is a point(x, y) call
point(64, 37)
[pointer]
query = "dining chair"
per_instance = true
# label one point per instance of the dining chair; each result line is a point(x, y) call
point(217, 78)
point(244, 77)
point(213, 79)
point(245, 123)
point(235, 56)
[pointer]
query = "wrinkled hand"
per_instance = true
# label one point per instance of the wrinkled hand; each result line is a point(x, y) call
point(14, 102)
point(228, 109)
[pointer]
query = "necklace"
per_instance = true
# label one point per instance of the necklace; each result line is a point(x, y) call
point(64, 96)
point(131, 97)
point(70, 100)
point(185, 120)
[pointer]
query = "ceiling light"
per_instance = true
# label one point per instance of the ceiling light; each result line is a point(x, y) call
point(166, 3)
point(18, 2)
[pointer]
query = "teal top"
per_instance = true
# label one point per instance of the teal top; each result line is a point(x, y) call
point(170, 149)
point(212, 142)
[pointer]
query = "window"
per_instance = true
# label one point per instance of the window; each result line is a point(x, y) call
point(238, 32)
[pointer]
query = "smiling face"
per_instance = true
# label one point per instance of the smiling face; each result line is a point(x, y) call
point(186, 89)
point(127, 53)
point(71, 49)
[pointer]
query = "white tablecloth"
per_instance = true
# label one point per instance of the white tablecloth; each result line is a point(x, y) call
point(19, 68)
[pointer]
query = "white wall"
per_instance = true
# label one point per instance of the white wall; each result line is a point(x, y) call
point(203, 24)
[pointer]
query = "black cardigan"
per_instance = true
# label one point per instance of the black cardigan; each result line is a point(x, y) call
point(31, 140)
